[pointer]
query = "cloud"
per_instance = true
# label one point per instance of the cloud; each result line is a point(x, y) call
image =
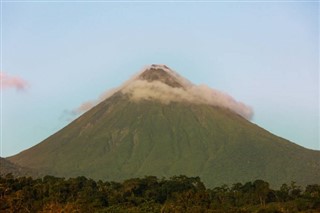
point(139, 89)
point(196, 94)
point(89, 104)
point(16, 82)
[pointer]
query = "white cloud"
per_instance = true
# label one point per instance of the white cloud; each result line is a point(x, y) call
point(156, 90)
point(202, 94)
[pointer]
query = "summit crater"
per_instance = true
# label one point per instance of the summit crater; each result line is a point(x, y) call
point(160, 73)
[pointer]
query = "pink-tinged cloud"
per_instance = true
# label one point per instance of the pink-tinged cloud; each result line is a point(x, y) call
point(16, 82)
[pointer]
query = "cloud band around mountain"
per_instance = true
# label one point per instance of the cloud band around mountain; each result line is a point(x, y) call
point(196, 94)
point(157, 90)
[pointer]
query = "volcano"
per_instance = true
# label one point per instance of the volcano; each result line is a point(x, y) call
point(160, 124)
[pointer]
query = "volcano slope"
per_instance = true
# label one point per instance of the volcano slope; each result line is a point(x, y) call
point(130, 135)
point(7, 167)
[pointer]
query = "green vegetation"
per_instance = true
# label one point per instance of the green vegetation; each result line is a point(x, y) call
point(150, 194)
point(120, 139)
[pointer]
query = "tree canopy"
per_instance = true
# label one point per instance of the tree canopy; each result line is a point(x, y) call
point(151, 194)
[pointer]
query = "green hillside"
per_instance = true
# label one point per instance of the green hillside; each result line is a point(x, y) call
point(121, 138)
point(7, 167)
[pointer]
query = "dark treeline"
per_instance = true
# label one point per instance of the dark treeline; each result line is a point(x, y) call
point(150, 194)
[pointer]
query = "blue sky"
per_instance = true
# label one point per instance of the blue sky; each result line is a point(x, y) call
point(265, 54)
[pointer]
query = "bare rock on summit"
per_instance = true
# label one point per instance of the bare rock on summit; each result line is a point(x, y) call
point(158, 73)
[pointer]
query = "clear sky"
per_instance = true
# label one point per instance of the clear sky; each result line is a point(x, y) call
point(265, 54)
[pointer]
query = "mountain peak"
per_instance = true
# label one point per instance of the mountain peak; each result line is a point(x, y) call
point(161, 73)
point(159, 82)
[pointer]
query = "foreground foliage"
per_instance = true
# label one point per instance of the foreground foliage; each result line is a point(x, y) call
point(150, 194)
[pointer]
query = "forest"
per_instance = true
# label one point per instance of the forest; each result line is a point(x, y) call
point(151, 194)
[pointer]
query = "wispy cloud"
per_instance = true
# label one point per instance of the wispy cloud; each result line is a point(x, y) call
point(89, 104)
point(15, 82)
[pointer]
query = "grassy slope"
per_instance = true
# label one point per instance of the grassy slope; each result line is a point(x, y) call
point(119, 139)
point(7, 167)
